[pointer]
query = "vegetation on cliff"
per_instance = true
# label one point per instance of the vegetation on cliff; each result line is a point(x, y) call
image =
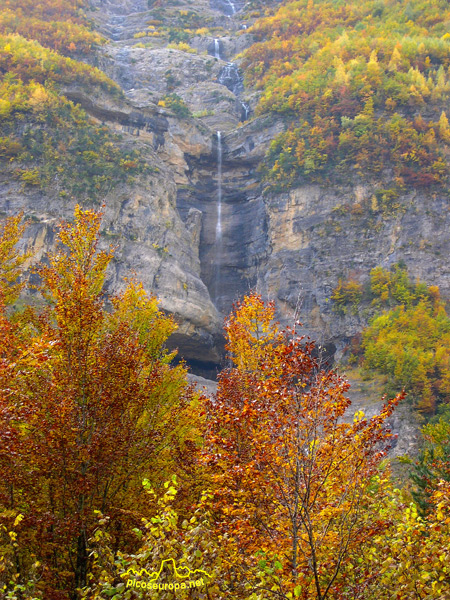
point(363, 87)
point(45, 139)
point(411, 342)
point(408, 334)
point(55, 24)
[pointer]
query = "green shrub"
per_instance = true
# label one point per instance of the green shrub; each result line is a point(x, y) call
point(177, 105)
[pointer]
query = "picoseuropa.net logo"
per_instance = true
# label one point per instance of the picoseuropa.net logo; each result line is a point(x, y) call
point(187, 579)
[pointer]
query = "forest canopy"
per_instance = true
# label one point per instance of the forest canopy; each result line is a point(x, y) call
point(45, 140)
point(56, 24)
point(112, 465)
point(362, 86)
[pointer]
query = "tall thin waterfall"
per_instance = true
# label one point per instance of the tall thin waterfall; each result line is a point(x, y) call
point(218, 252)
point(219, 187)
point(245, 111)
point(216, 48)
point(232, 6)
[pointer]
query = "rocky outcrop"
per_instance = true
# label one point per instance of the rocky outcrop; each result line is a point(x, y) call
point(163, 225)
point(319, 235)
point(151, 240)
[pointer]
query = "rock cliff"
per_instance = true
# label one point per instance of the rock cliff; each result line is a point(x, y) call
point(200, 232)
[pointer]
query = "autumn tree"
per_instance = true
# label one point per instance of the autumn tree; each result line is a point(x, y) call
point(164, 536)
point(11, 344)
point(11, 260)
point(90, 406)
point(292, 483)
point(12, 348)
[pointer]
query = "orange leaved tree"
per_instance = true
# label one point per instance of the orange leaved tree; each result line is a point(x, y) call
point(89, 406)
point(296, 490)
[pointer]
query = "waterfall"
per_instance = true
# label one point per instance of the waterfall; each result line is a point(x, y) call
point(227, 7)
point(216, 48)
point(233, 8)
point(219, 188)
point(230, 77)
point(245, 111)
point(219, 216)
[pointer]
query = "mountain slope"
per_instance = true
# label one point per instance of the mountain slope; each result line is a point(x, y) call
point(310, 191)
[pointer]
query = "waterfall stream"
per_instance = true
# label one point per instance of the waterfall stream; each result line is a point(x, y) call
point(219, 187)
point(245, 111)
point(229, 75)
point(227, 7)
point(216, 48)
point(231, 78)
point(232, 7)
point(218, 240)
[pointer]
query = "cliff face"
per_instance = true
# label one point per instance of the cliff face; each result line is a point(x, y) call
point(318, 235)
point(164, 224)
point(200, 232)
point(213, 153)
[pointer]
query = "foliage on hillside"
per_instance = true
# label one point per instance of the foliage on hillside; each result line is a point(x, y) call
point(56, 24)
point(408, 339)
point(57, 11)
point(28, 60)
point(363, 87)
point(46, 140)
